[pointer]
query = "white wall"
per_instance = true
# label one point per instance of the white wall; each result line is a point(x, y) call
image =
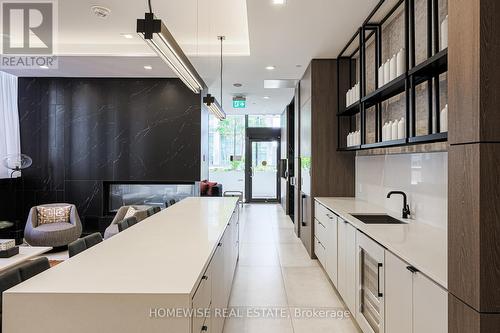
point(423, 176)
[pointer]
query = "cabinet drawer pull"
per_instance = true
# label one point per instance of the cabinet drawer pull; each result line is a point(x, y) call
point(378, 280)
point(204, 328)
point(412, 269)
point(329, 216)
point(204, 277)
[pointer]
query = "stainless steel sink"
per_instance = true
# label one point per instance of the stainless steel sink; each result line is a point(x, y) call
point(377, 219)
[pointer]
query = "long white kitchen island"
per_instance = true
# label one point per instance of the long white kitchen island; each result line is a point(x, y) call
point(145, 279)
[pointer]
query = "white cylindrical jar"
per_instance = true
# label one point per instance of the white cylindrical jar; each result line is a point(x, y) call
point(393, 67)
point(401, 62)
point(401, 128)
point(394, 130)
point(444, 33)
point(387, 72)
point(443, 124)
point(380, 76)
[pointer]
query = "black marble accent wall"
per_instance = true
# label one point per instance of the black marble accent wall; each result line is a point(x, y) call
point(82, 131)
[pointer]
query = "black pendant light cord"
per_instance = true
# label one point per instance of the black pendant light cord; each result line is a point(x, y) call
point(150, 8)
point(221, 67)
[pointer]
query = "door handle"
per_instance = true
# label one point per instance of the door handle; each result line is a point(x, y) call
point(378, 280)
point(412, 269)
point(304, 223)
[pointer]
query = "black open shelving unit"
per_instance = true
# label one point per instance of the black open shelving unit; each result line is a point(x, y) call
point(351, 68)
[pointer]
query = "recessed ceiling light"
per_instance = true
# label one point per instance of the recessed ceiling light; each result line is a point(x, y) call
point(44, 67)
point(100, 11)
point(148, 67)
point(271, 68)
point(279, 2)
point(127, 36)
point(267, 97)
point(237, 85)
point(298, 66)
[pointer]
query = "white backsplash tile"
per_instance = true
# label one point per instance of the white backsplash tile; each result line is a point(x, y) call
point(423, 176)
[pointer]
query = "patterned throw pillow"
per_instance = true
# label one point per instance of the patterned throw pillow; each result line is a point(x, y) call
point(46, 215)
point(130, 212)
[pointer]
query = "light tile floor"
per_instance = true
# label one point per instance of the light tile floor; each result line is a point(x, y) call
point(275, 275)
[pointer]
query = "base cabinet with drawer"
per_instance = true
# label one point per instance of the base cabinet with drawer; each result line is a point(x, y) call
point(214, 288)
point(326, 241)
point(383, 293)
point(413, 302)
point(347, 263)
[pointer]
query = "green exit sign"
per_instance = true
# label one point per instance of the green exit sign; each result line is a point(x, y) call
point(239, 103)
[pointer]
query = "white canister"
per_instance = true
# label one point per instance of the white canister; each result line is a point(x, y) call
point(358, 138)
point(389, 131)
point(444, 33)
point(443, 124)
point(401, 62)
point(380, 76)
point(393, 67)
point(387, 72)
point(401, 128)
point(348, 97)
point(384, 132)
point(394, 130)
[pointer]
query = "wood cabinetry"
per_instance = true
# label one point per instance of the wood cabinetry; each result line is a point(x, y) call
point(320, 169)
point(474, 173)
point(413, 303)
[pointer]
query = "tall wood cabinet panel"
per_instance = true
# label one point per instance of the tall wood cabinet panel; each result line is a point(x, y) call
point(474, 171)
point(464, 319)
point(323, 170)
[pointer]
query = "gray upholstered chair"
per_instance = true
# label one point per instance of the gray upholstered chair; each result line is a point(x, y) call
point(153, 210)
point(76, 247)
point(92, 240)
point(21, 273)
point(83, 244)
point(127, 223)
point(52, 234)
point(140, 214)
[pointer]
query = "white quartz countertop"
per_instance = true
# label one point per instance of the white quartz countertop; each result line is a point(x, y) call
point(420, 245)
point(163, 254)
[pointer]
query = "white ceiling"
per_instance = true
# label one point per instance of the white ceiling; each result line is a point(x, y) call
point(258, 34)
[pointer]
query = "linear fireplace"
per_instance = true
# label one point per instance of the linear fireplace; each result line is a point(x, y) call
point(124, 193)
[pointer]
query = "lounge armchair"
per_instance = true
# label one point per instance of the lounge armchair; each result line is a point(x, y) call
point(140, 214)
point(52, 234)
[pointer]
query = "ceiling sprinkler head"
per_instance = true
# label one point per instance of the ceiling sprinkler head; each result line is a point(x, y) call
point(237, 85)
point(101, 12)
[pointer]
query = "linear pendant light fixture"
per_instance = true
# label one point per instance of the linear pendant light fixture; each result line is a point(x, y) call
point(157, 36)
point(214, 107)
point(210, 100)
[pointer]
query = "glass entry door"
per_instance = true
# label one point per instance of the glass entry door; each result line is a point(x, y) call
point(263, 171)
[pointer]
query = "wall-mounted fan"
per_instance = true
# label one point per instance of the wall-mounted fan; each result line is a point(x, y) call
point(16, 162)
